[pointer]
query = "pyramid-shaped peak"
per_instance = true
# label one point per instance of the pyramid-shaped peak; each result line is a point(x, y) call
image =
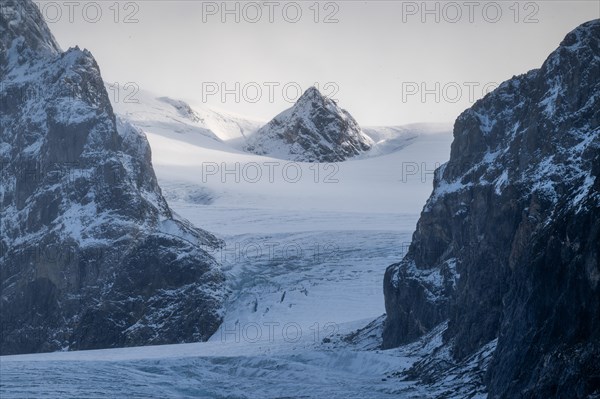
point(315, 129)
point(311, 94)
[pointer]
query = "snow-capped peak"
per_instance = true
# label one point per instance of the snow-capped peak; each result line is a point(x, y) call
point(315, 129)
point(313, 97)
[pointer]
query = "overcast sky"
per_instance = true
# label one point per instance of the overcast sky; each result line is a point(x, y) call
point(386, 62)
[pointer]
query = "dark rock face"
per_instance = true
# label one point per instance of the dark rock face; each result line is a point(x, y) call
point(315, 129)
point(91, 256)
point(508, 244)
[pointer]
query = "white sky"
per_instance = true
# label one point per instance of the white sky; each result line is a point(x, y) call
point(376, 56)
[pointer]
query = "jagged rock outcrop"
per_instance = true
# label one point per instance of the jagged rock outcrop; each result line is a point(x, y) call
point(508, 244)
point(91, 255)
point(315, 129)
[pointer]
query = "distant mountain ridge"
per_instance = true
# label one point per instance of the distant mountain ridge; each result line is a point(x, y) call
point(178, 120)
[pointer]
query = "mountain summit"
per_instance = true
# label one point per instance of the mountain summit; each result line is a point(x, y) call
point(315, 129)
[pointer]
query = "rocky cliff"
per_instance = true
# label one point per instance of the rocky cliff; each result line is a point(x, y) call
point(91, 255)
point(315, 129)
point(507, 246)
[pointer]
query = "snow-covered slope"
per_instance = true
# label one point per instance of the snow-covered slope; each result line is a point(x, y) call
point(176, 119)
point(389, 139)
point(202, 165)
